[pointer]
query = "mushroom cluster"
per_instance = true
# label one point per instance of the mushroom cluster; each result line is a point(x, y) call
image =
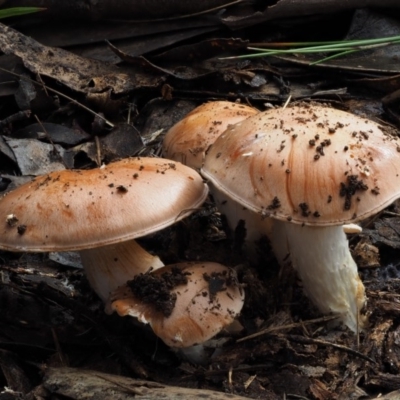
point(298, 174)
point(100, 212)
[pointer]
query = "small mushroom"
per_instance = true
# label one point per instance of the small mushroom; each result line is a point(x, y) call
point(343, 169)
point(188, 140)
point(99, 212)
point(186, 304)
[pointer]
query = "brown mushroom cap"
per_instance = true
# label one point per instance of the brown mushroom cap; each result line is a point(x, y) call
point(188, 139)
point(309, 164)
point(80, 209)
point(185, 304)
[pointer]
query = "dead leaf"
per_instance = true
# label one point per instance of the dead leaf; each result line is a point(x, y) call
point(55, 133)
point(78, 73)
point(123, 141)
point(38, 158)
point(366, 254)
point(320, 392)
point(301, 9)
point(17, 378)
point(387, 232)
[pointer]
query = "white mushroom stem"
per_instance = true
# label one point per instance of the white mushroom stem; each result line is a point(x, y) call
point(323, 262)
point(320, 255)
point(111, 266)
point(256, 226)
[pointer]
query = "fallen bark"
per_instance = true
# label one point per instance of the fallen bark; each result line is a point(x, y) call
point(86, 384)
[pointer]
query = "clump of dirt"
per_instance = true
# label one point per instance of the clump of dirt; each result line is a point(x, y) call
point(156, 289)
point(219, 282)
point(353, 185)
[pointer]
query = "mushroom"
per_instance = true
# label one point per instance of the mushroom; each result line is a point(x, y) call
point(99, 212)
point(302, 172)
point(185, 304)
point(188, 140)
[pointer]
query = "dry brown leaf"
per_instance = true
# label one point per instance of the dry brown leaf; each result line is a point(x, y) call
point(78, 73)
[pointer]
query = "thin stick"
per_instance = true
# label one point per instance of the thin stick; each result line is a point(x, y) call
point(305, 340)
point(288, 326)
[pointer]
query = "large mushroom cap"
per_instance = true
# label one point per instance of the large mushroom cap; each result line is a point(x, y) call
point(309, 164)
point(80, 209)
point(185, 304)
point(188, 139)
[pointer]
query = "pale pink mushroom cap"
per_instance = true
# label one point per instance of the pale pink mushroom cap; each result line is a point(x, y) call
point(308, 164)
point(209, 301)
point(81, 209)
point(188, 140)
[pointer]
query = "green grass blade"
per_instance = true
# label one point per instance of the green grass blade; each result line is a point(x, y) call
point(16, 11)
point(343, 53)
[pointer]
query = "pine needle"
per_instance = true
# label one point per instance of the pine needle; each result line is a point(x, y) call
point(339, 48)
